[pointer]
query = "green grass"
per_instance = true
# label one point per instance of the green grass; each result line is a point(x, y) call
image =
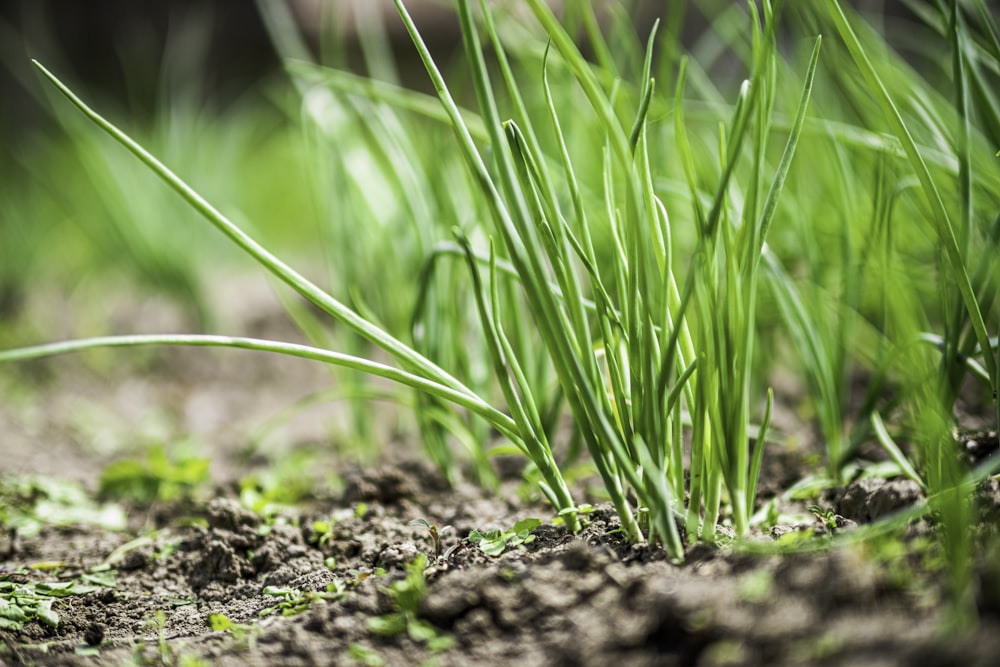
point(615, 256)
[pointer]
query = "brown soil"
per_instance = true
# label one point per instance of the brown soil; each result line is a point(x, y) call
point(562, 599)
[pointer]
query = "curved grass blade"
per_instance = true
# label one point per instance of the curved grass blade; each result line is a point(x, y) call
point(395, 96)
point(405, 355)
point(940, 217)
point(497, 419)
point(893, 450)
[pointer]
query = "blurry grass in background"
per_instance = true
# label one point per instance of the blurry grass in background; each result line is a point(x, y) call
point(595, 265)
point(78, 217)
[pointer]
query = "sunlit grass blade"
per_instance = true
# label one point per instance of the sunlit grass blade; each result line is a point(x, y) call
point(895, 453)
point(940, 216)
point(496, 418)
point(268, 260)
point(516, 389)
point(381, 91)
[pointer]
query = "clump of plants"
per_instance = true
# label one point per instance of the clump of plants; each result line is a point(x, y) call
point(622, 244)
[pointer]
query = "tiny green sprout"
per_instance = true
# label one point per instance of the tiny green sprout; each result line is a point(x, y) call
point(219, 622)
point(407, 594)
point(240, 632)
point(293, 601)
point(364, 655)
point(322, 532)
point(495, 542)
point(828, 517)
point(771, 516)
point(435, 534)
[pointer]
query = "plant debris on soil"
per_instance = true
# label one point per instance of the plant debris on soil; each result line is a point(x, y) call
point(308, 591)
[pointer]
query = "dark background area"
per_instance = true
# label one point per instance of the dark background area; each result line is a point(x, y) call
point(118, 49)
point(142, 54)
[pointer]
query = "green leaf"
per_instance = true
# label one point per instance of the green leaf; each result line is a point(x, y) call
point(63, 589)
point(45, 614)
point(388, 625)
point(441, 642)
point(491, 543)
point(421, 631)
point(526, 525)
point(12, 612)
point(10, 624)
point(364, 655)
point(219, 622)
point(504, 450)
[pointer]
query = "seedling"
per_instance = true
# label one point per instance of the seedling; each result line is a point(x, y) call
point(406, 595)
point(157, 477)
point(293, 601)
point(827, 517)
point(22, 603)
point(435, 534)
point(495, 542)
point(323, 530)
point(363, 655)
point(29, 503)
point(242, 633)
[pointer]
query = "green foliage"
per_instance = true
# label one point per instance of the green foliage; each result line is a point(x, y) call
point(29, 503)
point(24, 602)
point(827, 516)
point(219, 622)
point(157, 477)
point(406, 595)
point(640, 268)
point(495, 542)
point(434, 532)
point(364, 655)
point(284, 481)
point(294, 601)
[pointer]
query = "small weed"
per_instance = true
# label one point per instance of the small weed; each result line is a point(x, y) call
point(294, 601)
point(22, 603)
point(827, 517)
point(364, 655)
point(435, 534)
point(243, 634)
point(495, 542)
point(323, 530)
point(29, 503)
point(157, 478)
point(407, 594)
